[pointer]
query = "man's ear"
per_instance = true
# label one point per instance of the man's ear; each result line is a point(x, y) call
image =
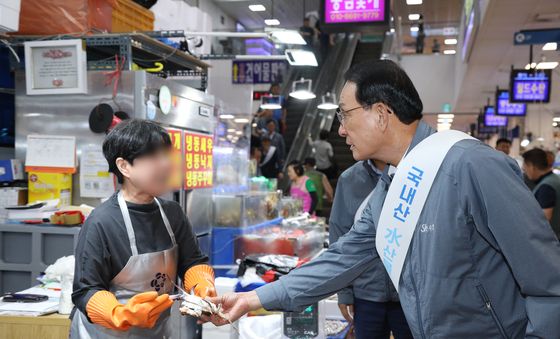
point(383, 113)
point(123, 166)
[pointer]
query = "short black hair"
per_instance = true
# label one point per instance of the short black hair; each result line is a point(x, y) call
point(298, 167)
point(383, 81)
point(131, 139)
point(271, 120)
point(324, 135)
point(536, 157)
point(310, 161)
point(503, 140)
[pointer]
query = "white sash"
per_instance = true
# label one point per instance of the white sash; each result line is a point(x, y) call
point(406, 198)
point(268, 155)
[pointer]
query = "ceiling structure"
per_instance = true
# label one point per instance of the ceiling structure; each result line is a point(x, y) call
point(493, 52)
point(289, 12)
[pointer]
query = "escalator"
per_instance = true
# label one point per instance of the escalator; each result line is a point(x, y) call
point(342, 154)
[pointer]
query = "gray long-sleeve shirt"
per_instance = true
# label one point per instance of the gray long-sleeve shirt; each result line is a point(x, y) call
point(483, 262)
point(354, 185)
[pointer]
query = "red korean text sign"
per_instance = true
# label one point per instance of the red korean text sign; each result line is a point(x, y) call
point(198, 160)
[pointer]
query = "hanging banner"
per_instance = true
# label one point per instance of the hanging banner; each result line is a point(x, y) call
point(258, 71)
point(198, 160)
point(177, 157)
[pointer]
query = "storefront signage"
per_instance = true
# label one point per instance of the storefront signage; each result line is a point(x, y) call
point(198, 160)
point(530, 85)
point(350, 11)
point(258, 71)
point(504, 107)
point(55, 67)
point(176, 157)
point(493, 120)
point(536, 36)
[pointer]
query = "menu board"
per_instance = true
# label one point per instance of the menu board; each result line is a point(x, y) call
point(505, 107)
point(176, 157)
point(198, 160)
point(530, 85)
point(492, 120)
point(354, 11)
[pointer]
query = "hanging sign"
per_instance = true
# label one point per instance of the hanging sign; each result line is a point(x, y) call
point(176, 157)
point(198, 160)
point(258, 71)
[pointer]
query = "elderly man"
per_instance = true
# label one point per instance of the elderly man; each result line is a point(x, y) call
point(466, 262)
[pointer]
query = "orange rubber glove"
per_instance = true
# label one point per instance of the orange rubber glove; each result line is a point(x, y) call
point(200, 278)
point(142, 310)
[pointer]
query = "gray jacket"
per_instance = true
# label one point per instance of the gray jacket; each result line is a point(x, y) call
point(483, 262)
point(352, 188)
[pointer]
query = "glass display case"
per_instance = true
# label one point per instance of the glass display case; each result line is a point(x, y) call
point(290, 207)
point(245, 209)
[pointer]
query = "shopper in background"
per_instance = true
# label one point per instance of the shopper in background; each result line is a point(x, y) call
point(302, 187)
point(270, 166)
point(321, 182)
point(537, 167)
point(280, 114)
point(307, 32)
point(324, 154)
point(482, 260)
point(371, 303)
point(133, 246)
point(504, 145)
point(277, 140)
point(255, 158)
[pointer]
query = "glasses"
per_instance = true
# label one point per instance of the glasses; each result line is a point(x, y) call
point(342, 115)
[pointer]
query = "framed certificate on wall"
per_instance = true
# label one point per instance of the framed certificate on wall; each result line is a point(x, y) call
point(55, 67)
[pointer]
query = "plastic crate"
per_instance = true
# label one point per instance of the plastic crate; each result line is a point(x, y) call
point(128, 16)
point(223, 243)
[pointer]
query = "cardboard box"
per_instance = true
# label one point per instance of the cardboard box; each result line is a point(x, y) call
point(11, 169)
point(13, 196)
point(45, 186)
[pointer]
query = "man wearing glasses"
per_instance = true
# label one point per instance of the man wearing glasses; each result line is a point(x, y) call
point(479, 260)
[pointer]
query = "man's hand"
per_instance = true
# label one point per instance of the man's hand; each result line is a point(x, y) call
point(347, 312)
point(234, 306)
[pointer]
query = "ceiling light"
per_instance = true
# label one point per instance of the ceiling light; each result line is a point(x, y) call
point(241, 120)
point(271, 102)
point(299, 57)
point(444, 121)
point(271, 22)
point(414, 17)
point(286, 36)
point(542, 65)
point(450, 41)
point(443, 127)
point(239, 133)
point(525, 142)
point(414, 28)
point(449, 51)
point(257, 8)
point(226, 116)
point(392, 30)
point(532, 65)
point(446, 116)
point(554, 124)
point(550, 46)
point(231, 130)
point(556, 119)
point(328, 102)
point(413, 2)
point(301, 89)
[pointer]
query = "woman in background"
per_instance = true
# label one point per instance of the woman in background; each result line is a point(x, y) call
point(302, 187)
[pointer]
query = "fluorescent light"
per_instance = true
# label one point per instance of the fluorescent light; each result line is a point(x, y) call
point(449, 51)
point(231, 130)
point(443, 127)
point(414, 28)
point(414, 17)
point(239, 133)
point(542, 65)
point(392, 30)
point(285, 36)
point(303, 95)
point(413, 2)
point(550, 46)
point(226, 116)
point(450, 41)
point(525, 142)
point(241, 120)
point(554, 124)
point(254, 125)
point(444, 121)
point(327, 105)
point(299, 57)
point(271, 22)
point(556, 119)
point(257, 8)
point(446, 116)
point(271, 106)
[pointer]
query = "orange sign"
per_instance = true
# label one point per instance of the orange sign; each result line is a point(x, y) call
point(198, 160)
point(176, 144)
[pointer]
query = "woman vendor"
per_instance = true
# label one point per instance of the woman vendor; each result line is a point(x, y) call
point(302, 187)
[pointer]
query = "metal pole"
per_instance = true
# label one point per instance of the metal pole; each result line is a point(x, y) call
point(229, 34)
